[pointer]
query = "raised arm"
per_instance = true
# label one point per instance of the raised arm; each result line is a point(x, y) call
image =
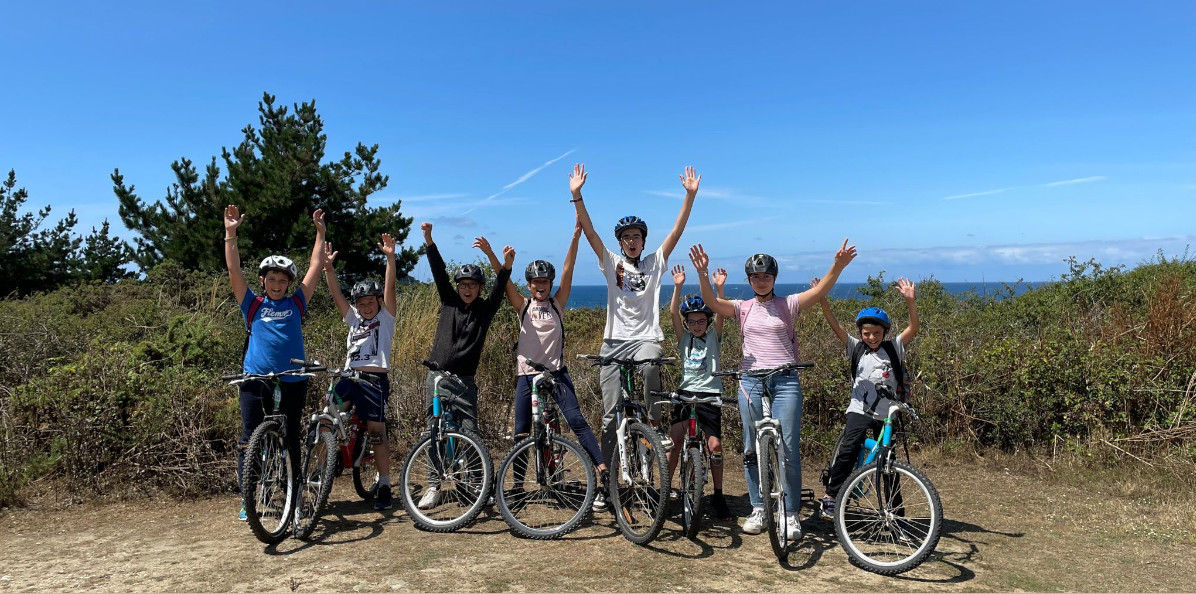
point(565, 287)
point(813, 295)
point(390, 293)
point(334, 287)
point(689, 181)
point(316, 266)
point(701, 262)
point(444, 286)
point(577, 179)
point(840, 333)
point(906, 288)
point(675, 302)
point(502, 278)
point(232, 256)
point(720, 281)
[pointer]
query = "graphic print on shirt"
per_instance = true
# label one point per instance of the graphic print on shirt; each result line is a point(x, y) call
point(880, 375)
point(365, 341)
point(267, 313)
point(695, 358)
point(630, 280)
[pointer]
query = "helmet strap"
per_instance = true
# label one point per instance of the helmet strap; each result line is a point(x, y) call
point(769, 294)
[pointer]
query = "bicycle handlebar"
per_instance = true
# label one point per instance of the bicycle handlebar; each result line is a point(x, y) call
point(763, 373)
point(677, 397)
point(436, 368)
point(244, 377)
point(603, 361)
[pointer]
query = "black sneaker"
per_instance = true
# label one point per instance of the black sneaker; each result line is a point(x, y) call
point(603, 488)
point(828, 509)
point(718, 507)
point(383, 499)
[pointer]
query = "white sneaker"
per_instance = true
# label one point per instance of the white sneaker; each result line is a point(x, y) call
point(599, 501)
point(792, 527)
point(755, 522)
point(430, 499)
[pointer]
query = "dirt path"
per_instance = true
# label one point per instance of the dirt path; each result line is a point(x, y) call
point(1001, 533)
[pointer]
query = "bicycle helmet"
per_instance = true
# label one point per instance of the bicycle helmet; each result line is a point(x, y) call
point(469, 272)
point(873, 315)
point(694, 304)
point(630, 222)
point(540, 269)
point(760, 264)
point(366, 288)
point(282, 264)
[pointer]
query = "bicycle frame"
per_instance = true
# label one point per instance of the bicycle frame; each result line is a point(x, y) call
point(873, 447)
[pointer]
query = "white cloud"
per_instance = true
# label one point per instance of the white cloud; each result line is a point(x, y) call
point(726, 225)
point(974, 194)
point(1055, 184)
point(429, 197)
point(1069, 182)
point(521, 179)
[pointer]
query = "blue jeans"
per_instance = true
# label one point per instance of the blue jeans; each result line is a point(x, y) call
point(786, 409)
point(566, 402)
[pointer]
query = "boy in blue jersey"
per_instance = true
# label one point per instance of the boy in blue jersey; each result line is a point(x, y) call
point(273, 321)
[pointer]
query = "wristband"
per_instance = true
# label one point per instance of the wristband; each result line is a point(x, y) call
point(575, 200)
point(228, 239)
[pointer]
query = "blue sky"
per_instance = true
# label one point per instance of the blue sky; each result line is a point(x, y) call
point(965, 140)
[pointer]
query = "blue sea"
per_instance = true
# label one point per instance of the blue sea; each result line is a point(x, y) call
point(595, 295)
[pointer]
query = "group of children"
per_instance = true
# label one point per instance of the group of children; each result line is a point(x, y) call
point(633, 278)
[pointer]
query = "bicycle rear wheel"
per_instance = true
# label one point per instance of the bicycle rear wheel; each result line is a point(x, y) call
point(268, 483)
point(640, 500)
point(315, 482)
point(457, 465)
point(545, 489)
point(888, 521)
point(693, 482)
point(772, 490)
point(365, 467)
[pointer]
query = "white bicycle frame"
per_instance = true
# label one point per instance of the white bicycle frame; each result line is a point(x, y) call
point(770, 426)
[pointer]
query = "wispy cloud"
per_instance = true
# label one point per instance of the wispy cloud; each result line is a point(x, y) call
point(730, 195)
point(1054, 184)
point(726, 224)
point(975, 194)
point(1069, 182)
point(430, 197)
point(519, 180)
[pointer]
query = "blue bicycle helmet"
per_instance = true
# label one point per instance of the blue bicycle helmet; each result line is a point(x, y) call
point(694, 304)
point(630, 222)
point(873, 315)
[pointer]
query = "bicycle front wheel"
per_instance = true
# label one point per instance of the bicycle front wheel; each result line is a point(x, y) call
point(888, 521)
point(772, 490)
point(268, 483)
point(446, 480)
point(693, 482)
point(640, 498)
point(546, 489)
point(315, 482)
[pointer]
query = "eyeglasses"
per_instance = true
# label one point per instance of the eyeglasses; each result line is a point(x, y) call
point(468, 285)
point(631, 238)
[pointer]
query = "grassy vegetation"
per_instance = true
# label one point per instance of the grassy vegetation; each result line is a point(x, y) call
point(113, 389)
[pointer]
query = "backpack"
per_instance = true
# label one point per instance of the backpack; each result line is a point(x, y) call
point(898, 366)
point(527, 304)
point(255, 305)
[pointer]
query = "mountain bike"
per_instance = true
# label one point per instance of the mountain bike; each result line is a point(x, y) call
point(888, 516)
point(695, 456)
point(770, 449)
point(448, 470)
point(268, 480)
point(639, 487)
point(546, 482)
point(335, 439)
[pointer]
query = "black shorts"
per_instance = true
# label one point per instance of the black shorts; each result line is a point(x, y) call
point(710, 417)
point(369, 397)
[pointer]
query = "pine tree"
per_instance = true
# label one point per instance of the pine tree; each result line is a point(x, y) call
point(33, 258)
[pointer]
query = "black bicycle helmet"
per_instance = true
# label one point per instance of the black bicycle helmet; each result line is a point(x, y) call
point(694, 304)
point(760, 264)
point(630, 222)
point(540, 269)
point(366, 288)
point(470, 272)
point(282, 264)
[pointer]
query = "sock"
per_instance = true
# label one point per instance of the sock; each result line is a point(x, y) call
point(384, 481)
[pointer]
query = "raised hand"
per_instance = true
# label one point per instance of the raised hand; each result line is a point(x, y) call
point(690, 180)
point(232, 218)
point(678, 275)
point(317, 217)
point(329, 256)
point(697, 255)
point(508, 256)
point(483, 244)
point(388, 244)
point(906, 288)
point(577, 230)
point(427, 229)
point(720, 278)
point(814, 282)
point(844, 256)
point(577, 179)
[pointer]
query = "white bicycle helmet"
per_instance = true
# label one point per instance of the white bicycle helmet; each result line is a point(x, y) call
point(282, 264)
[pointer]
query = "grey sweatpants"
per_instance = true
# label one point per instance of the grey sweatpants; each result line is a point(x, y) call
point(612, 394)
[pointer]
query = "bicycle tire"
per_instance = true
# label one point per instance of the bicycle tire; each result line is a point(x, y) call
point(464, 484)
point(556, 506)
point(365, 468)
point(319, 470)
point(772, 491)
point(693, 482)
point(640, 505)
point(268, 491)
point(897, 534)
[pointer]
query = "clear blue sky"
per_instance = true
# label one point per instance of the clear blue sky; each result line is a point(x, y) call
point(964, 140)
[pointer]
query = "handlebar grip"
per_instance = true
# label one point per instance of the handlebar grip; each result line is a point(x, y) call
point(537, 366)
point(430, 365)
point(231, 377)
point(661, 393)
point(298, 362)
point(316, 367)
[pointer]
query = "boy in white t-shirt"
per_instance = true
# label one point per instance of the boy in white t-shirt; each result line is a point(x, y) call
point(371, 324)
point(878, 363)
point(632, 298)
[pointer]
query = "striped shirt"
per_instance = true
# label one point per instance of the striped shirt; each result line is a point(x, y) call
point(766, 341)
